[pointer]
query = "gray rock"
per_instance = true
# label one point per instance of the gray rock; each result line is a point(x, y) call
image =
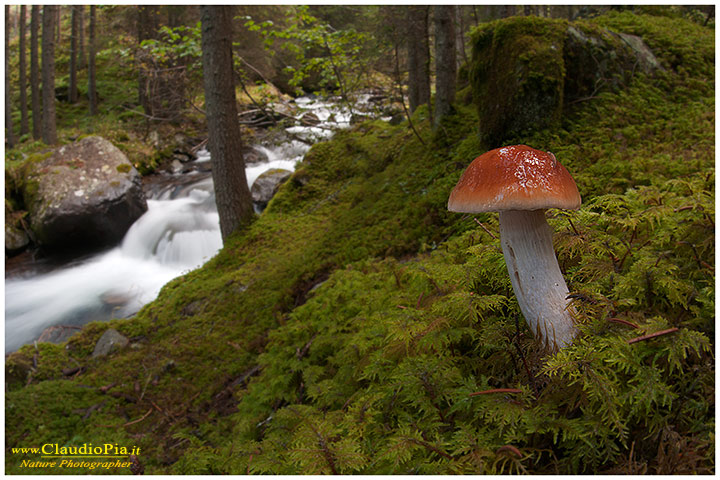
point(58, 333)
point(602, 60)
point(647, 61)
point(267, 185)
point(109, 342)
point(85, 194)
point(253, 155)
point(16, 239)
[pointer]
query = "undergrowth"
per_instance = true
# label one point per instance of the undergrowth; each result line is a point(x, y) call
point(359, 327)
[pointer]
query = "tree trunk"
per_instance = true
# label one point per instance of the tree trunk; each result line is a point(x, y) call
point(147, 29)
point(82, 61)
point(72, 86)
point(58, 11)
point(232, 194)
point(49, 133)
point(92, 90)
point(35, 72)
point(460, 36)
point(418, 56)
point(445, 66)
point(9, 133)
point(24, 123)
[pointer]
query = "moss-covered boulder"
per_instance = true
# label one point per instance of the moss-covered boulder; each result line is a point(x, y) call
point(84, 194)
point(526, 71)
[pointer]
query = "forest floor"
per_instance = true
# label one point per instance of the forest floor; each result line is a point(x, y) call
point(346, 330)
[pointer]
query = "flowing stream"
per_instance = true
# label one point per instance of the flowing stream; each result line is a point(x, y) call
point(179, 232)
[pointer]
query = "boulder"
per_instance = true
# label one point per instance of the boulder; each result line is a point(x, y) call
point(58, 333)
point(109, 342)
point(252, 156)
point(526, 71)
point(267, 185)
point(16, 240)
point(86, 194)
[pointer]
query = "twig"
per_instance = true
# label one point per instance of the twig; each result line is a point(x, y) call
point(484, 228)
point(653, 335)
point(402, 98)
point(257, 104)
point(149, 117)
point(258, 72)
point(573, 226)
point(431, 447)
point(510, 448)
point(624, 322)
point(139, 419)
point(496, 390)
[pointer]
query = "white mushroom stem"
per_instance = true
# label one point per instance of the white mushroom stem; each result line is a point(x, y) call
point(539, 286)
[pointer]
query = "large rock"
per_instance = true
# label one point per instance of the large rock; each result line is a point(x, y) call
point(58, 333)
point(109, 342)
point(267, 185)
point(85, 194)
point(16, 240)
point(526, 71)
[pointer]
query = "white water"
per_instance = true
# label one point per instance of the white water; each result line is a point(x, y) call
point(179, 232)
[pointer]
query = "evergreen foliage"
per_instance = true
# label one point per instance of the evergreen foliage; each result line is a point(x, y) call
point(359, 327)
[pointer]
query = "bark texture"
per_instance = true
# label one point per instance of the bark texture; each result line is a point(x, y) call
point(9, 133)
point(232, 194)
point(72, 84)
point(35, 72)
point(49, 133)
point(445, 63)
point(22, 65)
point(92, 89)
point(418, 47)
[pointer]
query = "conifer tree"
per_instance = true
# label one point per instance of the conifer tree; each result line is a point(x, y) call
point(232, 194)
point(72, 84)
point(35, 72)
point(49, 133)
point(92, 89)
point(9, 133)
point(418, 56)
point(445, 63)
point(22, 65)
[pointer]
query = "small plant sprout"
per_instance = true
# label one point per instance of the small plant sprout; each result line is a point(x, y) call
point(520, 183)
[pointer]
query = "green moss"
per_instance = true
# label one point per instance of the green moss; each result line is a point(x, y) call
point(517, 75)
point(345, 329)
point(124, 168)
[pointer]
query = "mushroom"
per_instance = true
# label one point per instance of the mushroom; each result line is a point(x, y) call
point(521, 182)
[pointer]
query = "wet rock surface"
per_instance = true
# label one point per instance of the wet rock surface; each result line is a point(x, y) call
point(267, 185)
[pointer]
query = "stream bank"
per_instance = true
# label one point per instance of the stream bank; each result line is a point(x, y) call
point(179, 232)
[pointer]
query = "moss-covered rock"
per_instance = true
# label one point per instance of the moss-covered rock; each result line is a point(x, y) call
point(526, 71)
point(518, 74)
point(83, 195)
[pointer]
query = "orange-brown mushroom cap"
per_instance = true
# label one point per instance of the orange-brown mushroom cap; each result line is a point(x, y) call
point(516, 177)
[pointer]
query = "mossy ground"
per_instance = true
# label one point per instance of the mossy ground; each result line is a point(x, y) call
point(345, 330)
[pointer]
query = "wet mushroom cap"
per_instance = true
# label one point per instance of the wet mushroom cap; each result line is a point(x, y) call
point(516, 177)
